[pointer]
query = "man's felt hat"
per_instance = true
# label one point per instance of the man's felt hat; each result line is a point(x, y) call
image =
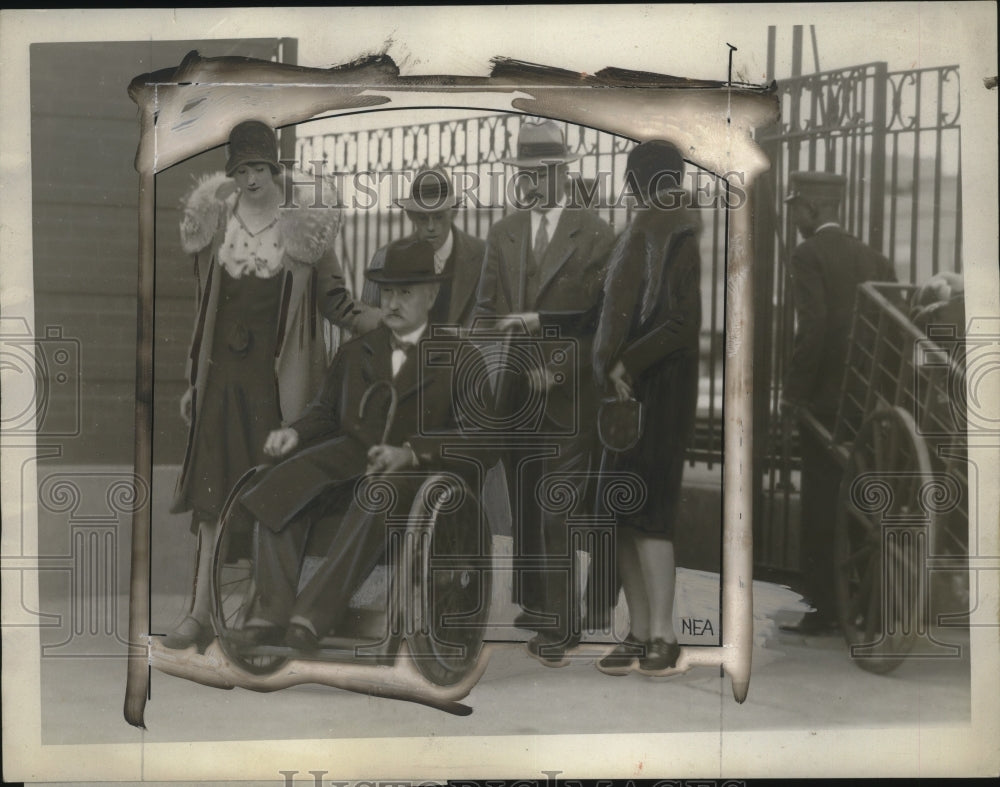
point(815, 186)
point(252, 142)
point(540, 145)
point(655, 166)
point(431, 192)
point(407, 262)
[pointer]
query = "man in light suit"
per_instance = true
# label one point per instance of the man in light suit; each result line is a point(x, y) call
point(544, 268)
point(431, 209)
point(334, 445)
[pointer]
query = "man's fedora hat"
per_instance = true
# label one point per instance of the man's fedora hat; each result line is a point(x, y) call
point(657, 164)
point(252, 142)
point(539, 145)
point(407, 262)
point(431, 192)
point(815, 186)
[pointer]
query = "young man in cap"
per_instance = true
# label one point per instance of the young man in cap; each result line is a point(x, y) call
point(334, 445)
point(545, 265)
point(827, 268)
point(431, 209)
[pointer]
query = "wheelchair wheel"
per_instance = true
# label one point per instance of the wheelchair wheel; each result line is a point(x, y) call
point(233, 584)
point(447, 583)
point(880, 541)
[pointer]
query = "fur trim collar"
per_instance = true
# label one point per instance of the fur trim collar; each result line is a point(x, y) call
point(307, 232)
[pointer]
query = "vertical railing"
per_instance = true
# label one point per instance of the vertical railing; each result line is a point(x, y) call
point(473, 149)
point(896, 138)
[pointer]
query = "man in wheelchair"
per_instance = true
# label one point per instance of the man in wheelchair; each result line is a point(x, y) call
point(378, 412)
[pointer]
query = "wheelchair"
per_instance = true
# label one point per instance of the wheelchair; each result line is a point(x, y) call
point(431, 591)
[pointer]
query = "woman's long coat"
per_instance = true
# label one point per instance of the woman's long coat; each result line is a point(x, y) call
point(651, 321)
point(314, 288)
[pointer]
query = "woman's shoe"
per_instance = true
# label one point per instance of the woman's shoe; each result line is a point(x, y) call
point(660, 655)
point(191, 631)
point(620, 660)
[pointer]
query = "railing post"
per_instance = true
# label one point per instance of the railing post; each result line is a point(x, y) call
point(876, 220)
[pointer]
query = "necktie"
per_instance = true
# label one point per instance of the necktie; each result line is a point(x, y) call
point(541, 240)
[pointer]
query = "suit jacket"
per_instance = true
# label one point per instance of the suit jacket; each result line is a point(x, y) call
point(466, 264)
point(826, 271)
point(568, 290)
point(335, 436)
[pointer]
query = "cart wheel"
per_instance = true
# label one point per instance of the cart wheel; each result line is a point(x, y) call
point(448, 557)
point(878, 565)
point(233, 582)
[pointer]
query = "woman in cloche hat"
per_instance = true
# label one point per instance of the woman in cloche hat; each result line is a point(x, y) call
point(646, 349)
point(267, 275)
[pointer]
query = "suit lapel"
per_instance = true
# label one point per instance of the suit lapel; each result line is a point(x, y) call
point(377, 363)
point(465, 276)
point(561, 247)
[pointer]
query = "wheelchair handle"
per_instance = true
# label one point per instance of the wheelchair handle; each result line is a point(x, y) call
point(390, 416)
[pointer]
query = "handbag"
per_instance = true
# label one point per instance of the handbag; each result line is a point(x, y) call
point(620, 424)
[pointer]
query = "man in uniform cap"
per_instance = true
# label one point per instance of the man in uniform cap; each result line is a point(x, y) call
point(544, 266)
point(431, 209)
point(826, 269)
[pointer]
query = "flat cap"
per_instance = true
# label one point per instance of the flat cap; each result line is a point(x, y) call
point(815, 185)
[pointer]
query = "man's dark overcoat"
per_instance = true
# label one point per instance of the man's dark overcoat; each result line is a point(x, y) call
point(333, 438)
point(826, 271)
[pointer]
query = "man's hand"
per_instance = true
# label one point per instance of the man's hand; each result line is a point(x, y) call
point(618, 377)
point(389, 459)
point(281, 442)
point(186, 401)
point(529, 320)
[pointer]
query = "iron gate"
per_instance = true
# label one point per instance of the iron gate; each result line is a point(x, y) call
point(472, 148)
point(895, 136)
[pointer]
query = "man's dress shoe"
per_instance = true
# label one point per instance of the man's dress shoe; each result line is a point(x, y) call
point(190, 632)
point(550, 651)
point(301, 639)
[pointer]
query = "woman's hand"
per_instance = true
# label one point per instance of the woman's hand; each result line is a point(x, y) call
point(186, 401)
point(617, 376)
point(280, 442)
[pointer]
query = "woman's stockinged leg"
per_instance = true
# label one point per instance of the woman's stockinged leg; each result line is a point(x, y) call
point(659, 573)
point(196, 628)
point(635, 588)
point(201, 604)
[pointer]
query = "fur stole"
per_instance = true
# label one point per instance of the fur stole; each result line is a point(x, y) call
point(307, 233)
